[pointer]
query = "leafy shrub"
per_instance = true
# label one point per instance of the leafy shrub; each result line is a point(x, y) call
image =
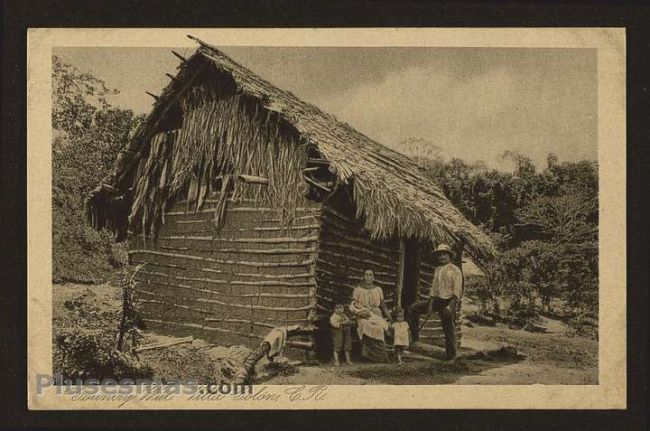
point(486, 294)
point(91, 353)
point(524, 280)
point(520, 278)
point(99, 343)
point(130, 320)
point(79, 253)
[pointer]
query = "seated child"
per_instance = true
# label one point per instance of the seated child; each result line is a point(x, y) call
point(362, 312)
point(401, 335)
point(341, 334)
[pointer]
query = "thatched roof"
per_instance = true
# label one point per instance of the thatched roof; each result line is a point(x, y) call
point(392, 195)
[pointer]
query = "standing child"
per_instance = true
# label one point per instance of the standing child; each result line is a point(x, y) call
point(341, 334)
point(401, 335)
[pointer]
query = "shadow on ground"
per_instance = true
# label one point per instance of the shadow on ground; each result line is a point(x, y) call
point(434, 370)
point(423, 366)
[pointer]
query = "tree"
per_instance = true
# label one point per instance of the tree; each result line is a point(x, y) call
point(76, 97)
point(524, 165)
point(88, 133)
point(546, 223)
point(565, 217)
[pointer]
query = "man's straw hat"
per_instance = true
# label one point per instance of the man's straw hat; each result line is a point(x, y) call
point(444, 248)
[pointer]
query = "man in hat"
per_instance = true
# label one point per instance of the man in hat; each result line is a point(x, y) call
point(446, 291)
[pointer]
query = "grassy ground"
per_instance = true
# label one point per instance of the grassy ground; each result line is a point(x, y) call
point(553, 357)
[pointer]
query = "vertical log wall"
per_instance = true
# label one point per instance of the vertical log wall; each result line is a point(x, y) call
point(253, 276)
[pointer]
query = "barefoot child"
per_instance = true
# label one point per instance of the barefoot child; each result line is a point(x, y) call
point(401, 335)
point(341, 334)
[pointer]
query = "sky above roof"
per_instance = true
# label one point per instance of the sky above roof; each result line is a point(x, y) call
point(472, 103)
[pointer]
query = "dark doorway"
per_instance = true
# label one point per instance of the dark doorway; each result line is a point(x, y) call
point(411, 274)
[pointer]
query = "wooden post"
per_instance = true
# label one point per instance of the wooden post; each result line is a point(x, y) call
point(400, 272)
point(310, 353)
point(253, 179)
point(183, 59)
point(125, 310)
point(459, 262)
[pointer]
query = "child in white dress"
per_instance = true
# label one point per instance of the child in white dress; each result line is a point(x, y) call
point(401, 335)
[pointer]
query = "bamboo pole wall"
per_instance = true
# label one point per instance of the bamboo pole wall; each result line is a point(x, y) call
point(256, 274)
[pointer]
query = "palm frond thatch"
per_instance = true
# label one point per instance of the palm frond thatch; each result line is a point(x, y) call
point(392, 196)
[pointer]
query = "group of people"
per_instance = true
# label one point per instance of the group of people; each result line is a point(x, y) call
point(373, 321)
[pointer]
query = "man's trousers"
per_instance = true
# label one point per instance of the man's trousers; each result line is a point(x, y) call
point(446, 308)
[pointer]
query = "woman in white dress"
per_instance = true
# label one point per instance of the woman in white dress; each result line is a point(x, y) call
point(369, 310)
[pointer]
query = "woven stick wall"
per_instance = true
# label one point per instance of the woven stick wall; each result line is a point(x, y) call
point(234, 287)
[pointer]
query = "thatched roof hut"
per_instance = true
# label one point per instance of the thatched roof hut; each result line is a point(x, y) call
point(219, 136)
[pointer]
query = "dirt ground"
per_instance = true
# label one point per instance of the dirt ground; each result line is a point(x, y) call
point(549, 358)
point(488, 355)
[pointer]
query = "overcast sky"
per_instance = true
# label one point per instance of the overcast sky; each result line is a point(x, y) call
point(474, 103)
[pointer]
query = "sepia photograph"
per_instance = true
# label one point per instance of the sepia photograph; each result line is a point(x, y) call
point(265, 215)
